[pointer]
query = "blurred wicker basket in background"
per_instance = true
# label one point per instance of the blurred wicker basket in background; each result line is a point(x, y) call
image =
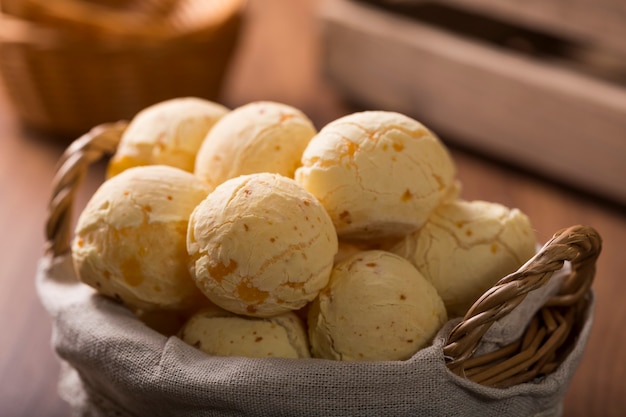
point(71, 64)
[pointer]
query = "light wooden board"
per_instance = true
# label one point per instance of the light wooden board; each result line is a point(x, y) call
point(551, 119)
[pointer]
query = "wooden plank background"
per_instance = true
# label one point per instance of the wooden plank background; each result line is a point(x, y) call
point(597, 22)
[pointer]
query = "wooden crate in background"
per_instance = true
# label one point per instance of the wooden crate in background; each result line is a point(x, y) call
point(595, 22)
point(526, 82)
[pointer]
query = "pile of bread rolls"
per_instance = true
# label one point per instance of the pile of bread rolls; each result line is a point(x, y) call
point(248, 232)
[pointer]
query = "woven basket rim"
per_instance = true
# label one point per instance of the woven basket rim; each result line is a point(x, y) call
point(15, 29)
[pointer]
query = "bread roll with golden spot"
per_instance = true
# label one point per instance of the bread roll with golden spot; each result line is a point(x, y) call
point(130, 238)
point(166, 133)
point(261, 136)
point(466, 247)
point(376, 307)
point(261, 245)
point(222, 333)
point(378, 174)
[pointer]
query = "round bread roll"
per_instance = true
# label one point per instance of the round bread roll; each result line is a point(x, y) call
point(221, 333)
point(466, 247)
point(261, 245)
point(376, 307)
point(130, 238)
point(166, 133)
point(377, 173)
point(261, 136)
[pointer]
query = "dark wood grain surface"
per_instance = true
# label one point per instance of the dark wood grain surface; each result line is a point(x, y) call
point(278, 60)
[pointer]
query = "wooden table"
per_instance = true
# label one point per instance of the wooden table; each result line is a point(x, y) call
point(279, 60)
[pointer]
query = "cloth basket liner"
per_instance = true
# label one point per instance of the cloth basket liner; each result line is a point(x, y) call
point(114, 365)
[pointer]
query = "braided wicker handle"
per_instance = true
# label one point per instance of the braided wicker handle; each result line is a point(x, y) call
point(71, 170)
point(538, 352)
point(545, 342)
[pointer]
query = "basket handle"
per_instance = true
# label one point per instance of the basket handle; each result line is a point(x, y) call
point(72, 167)
point(538, 350)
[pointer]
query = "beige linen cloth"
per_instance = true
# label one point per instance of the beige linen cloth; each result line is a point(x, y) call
point(113, 365)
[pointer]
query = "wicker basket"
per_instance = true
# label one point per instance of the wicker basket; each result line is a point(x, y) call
point(68, 75)
point(538, 352)
point(552, 333)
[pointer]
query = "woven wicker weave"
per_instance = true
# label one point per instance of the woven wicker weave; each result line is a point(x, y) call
point(66, 81)
point(539, 351)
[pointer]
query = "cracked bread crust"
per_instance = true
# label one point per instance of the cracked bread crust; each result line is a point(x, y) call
point(261, 245)
point(378, 174)
point(466, 247)
point(377, 306)
point(130, 239)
